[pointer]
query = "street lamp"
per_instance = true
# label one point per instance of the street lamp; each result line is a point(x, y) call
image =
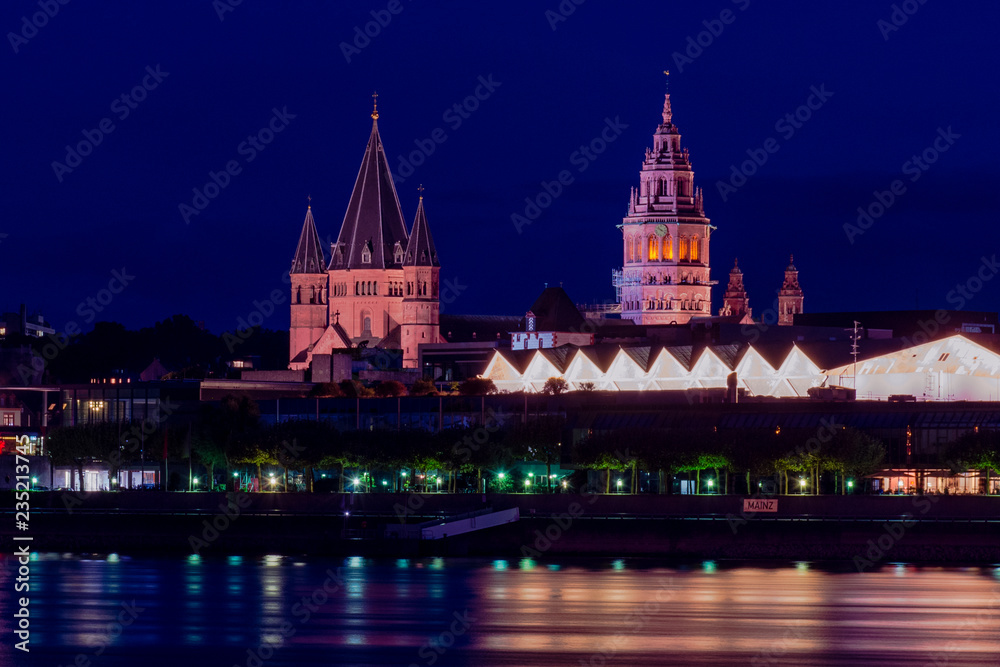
point(850, 484)
point(501, 475)
point(527, 485)
point(710, 483)
point(802, 485)
point(619, 484)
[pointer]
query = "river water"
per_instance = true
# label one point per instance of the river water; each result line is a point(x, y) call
point(111, 611)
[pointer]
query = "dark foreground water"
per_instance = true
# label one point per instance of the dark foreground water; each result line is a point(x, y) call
point(115, 611)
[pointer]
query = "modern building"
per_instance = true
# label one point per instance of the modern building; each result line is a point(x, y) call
point(23, 324)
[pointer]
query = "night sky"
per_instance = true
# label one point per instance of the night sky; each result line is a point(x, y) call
point(216, 77)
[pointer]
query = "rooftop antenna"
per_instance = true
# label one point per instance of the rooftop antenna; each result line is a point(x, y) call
point(855, 336)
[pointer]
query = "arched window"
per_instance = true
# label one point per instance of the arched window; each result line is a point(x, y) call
point(684, 255)
point(654, 249)
point(367, 326)
point(357, 288)
point(629, 249)
point(298, 294)
point(375, 288)
point(366, 253)
point(668, 248)
point(694, 248)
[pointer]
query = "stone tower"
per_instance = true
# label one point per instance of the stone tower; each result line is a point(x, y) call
point(362, 304)
point(790, 297)
point(665, 274)
point(421, 304)
point(366, 266)
point(309, 316)
point(735, 301)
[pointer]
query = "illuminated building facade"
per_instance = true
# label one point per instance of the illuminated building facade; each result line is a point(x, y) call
point(380, 287)
point(665, 274)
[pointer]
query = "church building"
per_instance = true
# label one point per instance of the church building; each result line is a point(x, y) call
point(380, 286)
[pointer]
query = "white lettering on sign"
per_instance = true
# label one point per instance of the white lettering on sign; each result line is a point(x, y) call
point(760, 505)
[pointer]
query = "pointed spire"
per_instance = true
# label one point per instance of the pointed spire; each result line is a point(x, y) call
point(421, 251)
point(375, 110)
point(374, 219)
point(309, 253)
point(667, 113)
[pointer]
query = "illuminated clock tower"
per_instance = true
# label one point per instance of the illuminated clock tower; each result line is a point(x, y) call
point(665, 277)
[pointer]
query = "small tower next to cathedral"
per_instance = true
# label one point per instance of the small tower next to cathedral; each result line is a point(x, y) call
point(309, 297)
point(790, 297)
point(421, 306)
point(735, 301)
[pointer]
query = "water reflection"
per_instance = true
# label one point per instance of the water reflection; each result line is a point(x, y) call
point(355, 611)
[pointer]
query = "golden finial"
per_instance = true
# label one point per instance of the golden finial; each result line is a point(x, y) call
point(420, 189)
point(667, 73)
point(309, 197)
point(375, 110)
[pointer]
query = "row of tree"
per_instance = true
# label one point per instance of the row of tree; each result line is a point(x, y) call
point(230, 435)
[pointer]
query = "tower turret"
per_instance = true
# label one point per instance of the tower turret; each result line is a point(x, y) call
point(309, 298)
point(790, 296)
point(421, 302)
point(735, 300)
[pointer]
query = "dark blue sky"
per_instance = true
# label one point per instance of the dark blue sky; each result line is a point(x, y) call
point(554, 89)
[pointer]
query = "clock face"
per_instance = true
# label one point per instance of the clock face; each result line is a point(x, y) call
point(661, 230)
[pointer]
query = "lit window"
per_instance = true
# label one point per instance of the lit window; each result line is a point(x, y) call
point(8, 419)
point(694, 249)
point(668, 248)
point(654, 251)
point(684, 249)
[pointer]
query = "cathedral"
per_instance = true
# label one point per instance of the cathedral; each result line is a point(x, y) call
point(380, 285)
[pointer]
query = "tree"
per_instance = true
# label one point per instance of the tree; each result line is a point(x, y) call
point(390, 388)
point(976, 450)
point(477, 387)
point(539, 439)
point(423, 387)
point(555, 386)
point(326, 390)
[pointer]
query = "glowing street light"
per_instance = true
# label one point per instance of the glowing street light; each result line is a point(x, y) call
point(527, 485)
point(619, 483)
point(710, 484)
point(850, 484)
point(501, 475)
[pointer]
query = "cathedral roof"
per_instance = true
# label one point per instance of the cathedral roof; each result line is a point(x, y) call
point(420, 251)
point(309, 253)
point(373, 224)
point(555, 311)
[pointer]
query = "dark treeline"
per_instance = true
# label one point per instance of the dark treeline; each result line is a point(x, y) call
point(183, 346)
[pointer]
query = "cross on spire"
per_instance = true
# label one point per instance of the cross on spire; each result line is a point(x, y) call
point(309, 197)
point(375, 110)
point(667, 73)
point(420, 189)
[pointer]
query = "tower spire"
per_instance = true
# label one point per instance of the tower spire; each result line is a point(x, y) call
point(667, 112)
